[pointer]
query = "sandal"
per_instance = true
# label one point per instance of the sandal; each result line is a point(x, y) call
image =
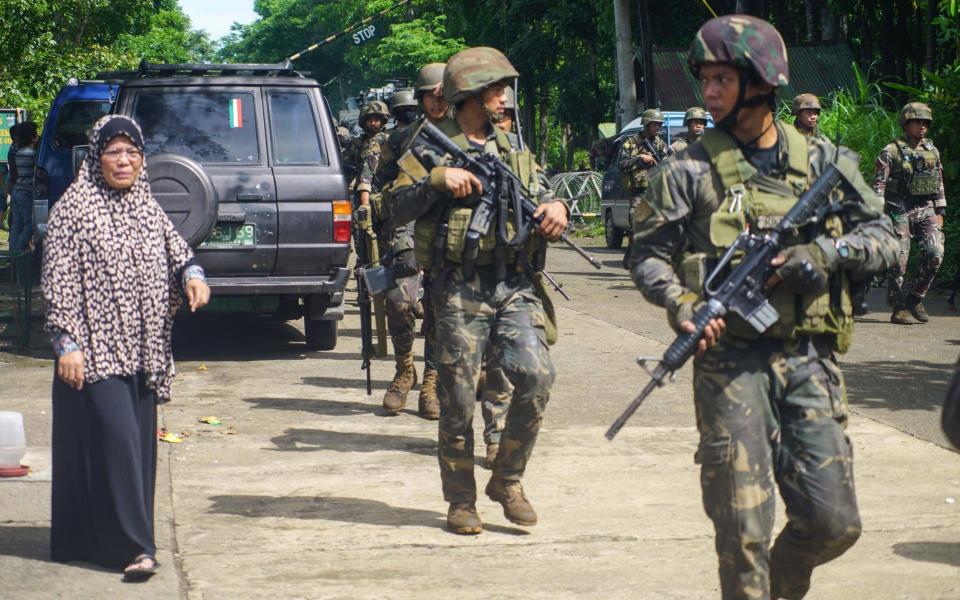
point(142, 568)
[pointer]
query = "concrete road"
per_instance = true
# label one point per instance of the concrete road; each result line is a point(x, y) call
point(307, 491)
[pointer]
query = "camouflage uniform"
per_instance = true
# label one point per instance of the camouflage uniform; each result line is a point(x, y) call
point(807, 101)
point(771, 409)
point(912, 197)
point(633, 169)
point(683, 141)
point(506, 314)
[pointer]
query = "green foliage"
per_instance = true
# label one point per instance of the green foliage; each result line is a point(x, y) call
point(47, 42)
point(408, 47)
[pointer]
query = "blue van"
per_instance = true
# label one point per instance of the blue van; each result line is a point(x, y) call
point(73, 112)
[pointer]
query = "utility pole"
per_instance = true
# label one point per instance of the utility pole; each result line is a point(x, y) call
point(627, 109)
point(646, 44)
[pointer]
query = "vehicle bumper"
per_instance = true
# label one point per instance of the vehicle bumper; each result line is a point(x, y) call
point(303, 285)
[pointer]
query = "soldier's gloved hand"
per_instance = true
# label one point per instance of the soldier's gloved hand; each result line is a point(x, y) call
point(801, 269)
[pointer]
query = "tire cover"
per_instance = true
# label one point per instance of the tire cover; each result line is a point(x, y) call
point(186, 193)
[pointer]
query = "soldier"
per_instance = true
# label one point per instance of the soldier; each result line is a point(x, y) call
point(806, 108)
point(695, 120)
point(771, 409)
point(500, 305)
point(435, 109)
point(909, 177)
point(396, 246)
point(494, 387)
point(365, 150)
point(641, 152)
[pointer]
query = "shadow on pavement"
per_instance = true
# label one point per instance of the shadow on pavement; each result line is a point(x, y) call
point(32, 543)
point(333, 408)
point(236, 337)
point(947, 553)
point(313, 440)
point(332, 508)
point(881, 384)
point(340, 383)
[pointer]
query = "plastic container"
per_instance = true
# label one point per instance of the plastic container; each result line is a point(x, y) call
point(13, 441)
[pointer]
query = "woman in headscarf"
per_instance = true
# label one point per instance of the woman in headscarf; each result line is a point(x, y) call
point(114, 268)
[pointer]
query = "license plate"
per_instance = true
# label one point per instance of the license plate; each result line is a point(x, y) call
point(231, 235)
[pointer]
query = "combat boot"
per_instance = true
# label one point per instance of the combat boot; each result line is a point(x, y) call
point(462, 518)
point(510, 495)
point(901, 316)
point(492, 451)
point(404, 379)
point(915, 306)
point(429, 405)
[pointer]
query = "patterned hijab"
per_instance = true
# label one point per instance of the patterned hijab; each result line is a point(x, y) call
point(110, 269)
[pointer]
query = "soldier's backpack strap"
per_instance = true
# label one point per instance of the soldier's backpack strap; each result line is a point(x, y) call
point(728, 162)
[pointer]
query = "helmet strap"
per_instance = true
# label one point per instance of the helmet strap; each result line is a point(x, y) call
point(729, 122)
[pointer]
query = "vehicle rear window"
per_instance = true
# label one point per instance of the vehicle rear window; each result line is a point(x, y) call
point(209, 127)
point(295, 137)
point(74, 123)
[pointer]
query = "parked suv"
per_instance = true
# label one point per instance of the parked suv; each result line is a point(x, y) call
point(244, 159)
point(615, 203)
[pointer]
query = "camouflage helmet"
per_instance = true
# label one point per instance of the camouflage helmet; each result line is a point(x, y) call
point(428, 78)
point(744, 42)
point(470, 71)
point(693, 113)
point(404, 97)
point(511, 102)
point(915, 110)
point(805, 101)
point(651, 115)
point(374, 108)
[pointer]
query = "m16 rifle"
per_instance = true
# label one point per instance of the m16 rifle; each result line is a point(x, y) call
point(742, 291)
point(502, 190)
point(371, 305)
point(652, 150)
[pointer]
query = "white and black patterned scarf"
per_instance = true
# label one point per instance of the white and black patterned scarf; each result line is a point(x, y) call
point(110, 265)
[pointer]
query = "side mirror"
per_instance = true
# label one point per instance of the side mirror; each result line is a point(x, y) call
point(79, 154)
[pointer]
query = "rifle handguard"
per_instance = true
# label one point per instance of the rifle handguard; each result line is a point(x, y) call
point(685, 345)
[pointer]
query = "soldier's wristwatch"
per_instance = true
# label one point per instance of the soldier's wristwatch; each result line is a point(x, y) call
point(843, 250)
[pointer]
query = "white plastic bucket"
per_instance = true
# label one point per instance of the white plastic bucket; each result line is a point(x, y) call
point(13, 441)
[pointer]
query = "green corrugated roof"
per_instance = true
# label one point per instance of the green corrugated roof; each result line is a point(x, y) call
point(814, 68)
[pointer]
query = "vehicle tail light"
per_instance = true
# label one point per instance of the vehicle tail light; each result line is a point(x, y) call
point(342, 217)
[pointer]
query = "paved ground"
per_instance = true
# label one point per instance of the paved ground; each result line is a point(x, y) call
point(307, 491)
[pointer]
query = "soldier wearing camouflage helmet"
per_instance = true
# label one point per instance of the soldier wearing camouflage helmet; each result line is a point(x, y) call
point(404, 106)
point(639, 153)
point(430, 94)
point(806, 109)
point(770, 407)
point(365, 149)
point(909, 177)
point(695, 120)
point(503, 304)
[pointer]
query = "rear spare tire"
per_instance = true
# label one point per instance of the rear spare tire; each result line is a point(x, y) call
point(186, 193)
point(321, 335)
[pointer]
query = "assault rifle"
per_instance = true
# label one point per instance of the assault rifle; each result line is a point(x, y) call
point(652, 150)
point(742, 291)
point(371, 305)
point(501, 190)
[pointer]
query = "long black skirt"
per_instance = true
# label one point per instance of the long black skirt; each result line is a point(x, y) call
point(104, 471)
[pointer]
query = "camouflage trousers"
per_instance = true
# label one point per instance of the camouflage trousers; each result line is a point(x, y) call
point(494, 398)
point(772, 414)
point(426, 325)
point(399, 302)
point(920, 223)
point(507, 315)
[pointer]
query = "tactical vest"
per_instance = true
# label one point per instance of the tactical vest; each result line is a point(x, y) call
point(637, 179)
point(756, 203)
point(914, 173)
point(522, 163)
